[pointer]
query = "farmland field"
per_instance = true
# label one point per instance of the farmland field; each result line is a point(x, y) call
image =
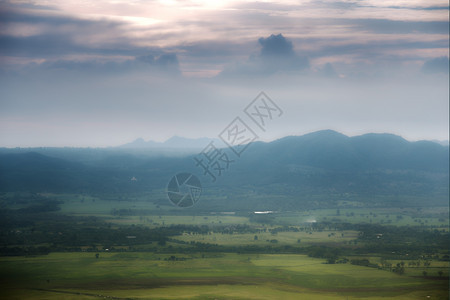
point(197, 276)
point(93, 248)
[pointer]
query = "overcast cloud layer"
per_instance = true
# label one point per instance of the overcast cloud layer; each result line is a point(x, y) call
point(105, 73)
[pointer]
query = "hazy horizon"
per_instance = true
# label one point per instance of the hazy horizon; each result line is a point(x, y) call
point(161, 142)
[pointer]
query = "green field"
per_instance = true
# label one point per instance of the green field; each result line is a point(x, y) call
point(197, 276)
point(310, 254)
point(167, 214)
point(281, 238)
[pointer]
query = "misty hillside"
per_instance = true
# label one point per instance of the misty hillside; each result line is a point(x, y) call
point(174, 142)
point(334, 151)
point(323, 165)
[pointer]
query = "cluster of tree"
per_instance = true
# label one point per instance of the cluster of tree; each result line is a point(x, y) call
point(131, 212)
point(399, 268)
point(363, 262)
point(285, 229)
point(25, 231)
point(24, 251)
point(331, 254)
point(22, 198)
point(47, 205)
point(401, 240)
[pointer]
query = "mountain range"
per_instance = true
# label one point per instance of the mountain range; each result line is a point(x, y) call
point(320, 168)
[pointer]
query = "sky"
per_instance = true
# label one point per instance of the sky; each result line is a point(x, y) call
point(104, 73)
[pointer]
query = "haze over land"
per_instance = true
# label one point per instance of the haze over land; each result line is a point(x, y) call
point(314, 170)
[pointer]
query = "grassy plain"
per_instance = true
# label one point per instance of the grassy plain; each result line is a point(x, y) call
point(212, 276)
point(281, 238)
point(164, 274)
point(157, 215)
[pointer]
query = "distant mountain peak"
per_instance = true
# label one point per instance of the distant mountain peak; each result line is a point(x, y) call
point(177, 138)
point(139, 141)
point(179, 142)
point(175, 142)
point(326, 133)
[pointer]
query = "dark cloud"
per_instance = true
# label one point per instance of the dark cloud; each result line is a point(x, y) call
point(276, 45)
point(30, 6)
point(276, 55)
point(164, 64)
point(370, 50)
point(12, 15)
point(167, 62)
point(387, 26)
point(262, 13)
point(328, 71)
point(421, 8)
point(264, 6)
point(64, 35)
point(217, 49)
point(39, 46)
point(275, 6)
point(338, 4)
point(436, 65)
point(354, 5)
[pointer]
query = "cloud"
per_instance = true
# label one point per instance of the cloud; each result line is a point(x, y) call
point(52, 40)
point(48, 34)
point(436, 65)
point(397, 27)
point(434, 7)
point(276, 45)
point(167, 62)
point(371, 57)
point(164, 64)
point(328, 71)
point(204, 45)
point(276, 55)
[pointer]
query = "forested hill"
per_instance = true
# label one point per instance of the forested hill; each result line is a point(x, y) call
point(323, 164)
point(331, 150)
